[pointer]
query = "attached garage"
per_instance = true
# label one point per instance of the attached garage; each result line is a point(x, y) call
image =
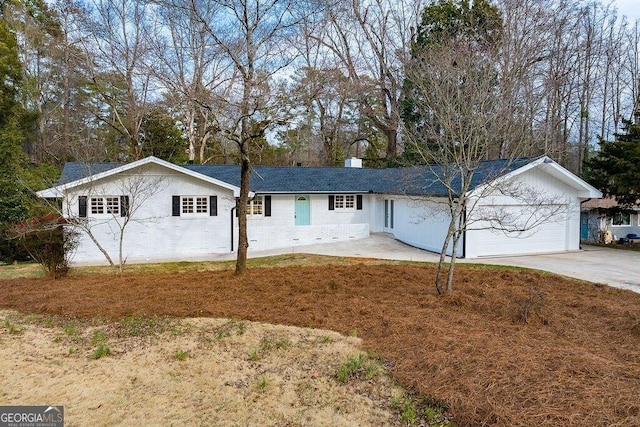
point(543, 217)
point(548, 236)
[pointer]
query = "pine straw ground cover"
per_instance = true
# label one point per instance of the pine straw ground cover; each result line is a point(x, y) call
point(506, 348)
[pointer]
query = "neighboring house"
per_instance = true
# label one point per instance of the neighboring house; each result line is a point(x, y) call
point(602, 221)
point(191, 212)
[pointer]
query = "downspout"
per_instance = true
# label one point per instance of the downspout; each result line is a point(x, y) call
point(233, 209)
point(464, 231)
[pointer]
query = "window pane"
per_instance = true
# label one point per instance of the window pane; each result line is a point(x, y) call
point(350, 202)
point(621, 218)
point(339, 202)
point(254, 207)
point(201, 205)
point(257, 206)
point(97, 205)
point(187, 205)
point(113, 205)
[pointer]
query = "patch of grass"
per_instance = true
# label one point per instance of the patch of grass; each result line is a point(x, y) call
point(232, 326)
point(20, 270)
point(354, 333)
point(181, 355)
point(98, 337)
point(407, 409)
point(71, 351)
point(351, 367)
point(283, 344)
point(12, 328)
point(416, 412)
point(327, 339)
point(102, 351)
point(262, 383)
point(72, 331)
point(140, 326)
point(254, 355)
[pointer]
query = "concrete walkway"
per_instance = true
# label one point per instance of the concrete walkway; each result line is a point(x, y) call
point(613, 267)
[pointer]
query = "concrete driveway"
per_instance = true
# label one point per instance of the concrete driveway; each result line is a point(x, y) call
point(613, 267)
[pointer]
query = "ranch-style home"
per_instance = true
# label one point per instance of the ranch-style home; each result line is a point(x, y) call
point(188, 212)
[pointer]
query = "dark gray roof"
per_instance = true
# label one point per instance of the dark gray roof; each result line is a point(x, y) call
point(419, 180)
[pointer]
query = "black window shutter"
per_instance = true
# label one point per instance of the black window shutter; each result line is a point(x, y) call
point(213, 205)
point(359, 202)
point(82, 206)
point(267, 205)
point(124, 205)
point(332, 201)
point(175, 206)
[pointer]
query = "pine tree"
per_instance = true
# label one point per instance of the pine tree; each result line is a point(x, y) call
point(14, 197)
point(615, 170)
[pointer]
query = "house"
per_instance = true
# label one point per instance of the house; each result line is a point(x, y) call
point(189, 211)
point(603, 221)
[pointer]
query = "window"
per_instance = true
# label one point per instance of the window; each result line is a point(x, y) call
point(109, 205)
point(621, 219)
point(345, 202)
point(255, 206)
point(194, 205)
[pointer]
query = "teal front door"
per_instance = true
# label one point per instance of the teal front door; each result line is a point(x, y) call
point(302, 213)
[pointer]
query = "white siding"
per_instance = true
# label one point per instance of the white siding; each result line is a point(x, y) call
point(422, 222)
point(551, 227)
point(326, 226)
point(153, 233)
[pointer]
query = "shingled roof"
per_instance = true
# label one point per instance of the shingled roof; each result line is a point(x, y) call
point(419, 180)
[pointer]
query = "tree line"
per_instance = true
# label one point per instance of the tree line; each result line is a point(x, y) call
point(306, 82)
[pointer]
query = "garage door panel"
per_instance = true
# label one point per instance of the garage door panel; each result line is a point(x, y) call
point(548, 235)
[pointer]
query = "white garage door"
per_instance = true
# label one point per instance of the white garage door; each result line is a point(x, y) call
point(546, 236)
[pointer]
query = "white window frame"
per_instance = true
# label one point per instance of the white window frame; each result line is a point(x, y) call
point(104, 206)
point(255, 207)
point(621, 223)
point(344, 202)
point(194, 205)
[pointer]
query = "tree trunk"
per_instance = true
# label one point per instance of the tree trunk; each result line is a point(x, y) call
point(443, 255)
point(243, 242)
point(392, 142)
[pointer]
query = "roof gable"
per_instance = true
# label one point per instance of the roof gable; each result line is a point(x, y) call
point(546, 164)
point(77, 174)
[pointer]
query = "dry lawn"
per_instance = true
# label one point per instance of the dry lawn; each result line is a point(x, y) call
point(208, 372)
point(507, 348)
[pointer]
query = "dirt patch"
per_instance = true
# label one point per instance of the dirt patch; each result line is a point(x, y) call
point(507, 348)
point(192, 371)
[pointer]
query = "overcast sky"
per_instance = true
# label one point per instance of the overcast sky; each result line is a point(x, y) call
point(630, 8)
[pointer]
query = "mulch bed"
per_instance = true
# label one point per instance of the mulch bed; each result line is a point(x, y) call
point(506, 348)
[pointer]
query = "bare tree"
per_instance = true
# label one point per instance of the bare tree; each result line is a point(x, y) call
point(330, 107)
point(191, 66)
point(371, 39)
point(255, 38)
point(470, 102)
point(120, 42)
